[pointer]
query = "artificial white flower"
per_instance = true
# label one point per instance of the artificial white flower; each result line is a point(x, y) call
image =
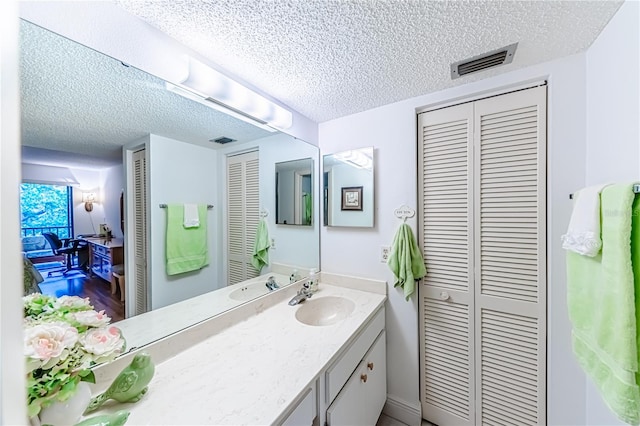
point(71, 302)
point(102, 341)
point(48, 341)
point(91, 318)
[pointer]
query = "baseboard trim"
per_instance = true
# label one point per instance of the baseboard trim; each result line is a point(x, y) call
point(402, 411)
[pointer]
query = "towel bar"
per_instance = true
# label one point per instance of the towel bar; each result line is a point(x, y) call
point(636, 189)
point(164, 206)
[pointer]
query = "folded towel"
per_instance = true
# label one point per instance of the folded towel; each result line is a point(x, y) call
point(191, 219)
point(260, 256)
point(583, 235)
point(186, 248)
point(601, 296)
point(405, 260)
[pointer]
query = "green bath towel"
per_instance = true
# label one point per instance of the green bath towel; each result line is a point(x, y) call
point(601, 296)
point(186, 248)
point(261, 246)
point(405, 260)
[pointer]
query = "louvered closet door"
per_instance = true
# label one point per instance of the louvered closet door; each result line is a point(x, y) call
point(483, 230)
point(140, 231)
point(510, 230)
point(243, 204)
point(446, 293)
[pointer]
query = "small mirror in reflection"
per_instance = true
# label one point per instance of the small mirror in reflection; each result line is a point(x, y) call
point(294, 189)
point(348, 188)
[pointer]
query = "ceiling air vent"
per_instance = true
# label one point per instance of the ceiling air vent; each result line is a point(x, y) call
point(482, 62)
point(222, 140)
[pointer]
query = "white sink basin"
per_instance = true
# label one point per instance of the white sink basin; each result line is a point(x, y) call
point(249, 291)
point(324, 310)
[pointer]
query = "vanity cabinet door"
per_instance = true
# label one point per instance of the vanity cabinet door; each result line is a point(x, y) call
point(361, 400)
point(304, 413)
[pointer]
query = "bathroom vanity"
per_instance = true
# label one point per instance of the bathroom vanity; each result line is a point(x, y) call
point(263, 363)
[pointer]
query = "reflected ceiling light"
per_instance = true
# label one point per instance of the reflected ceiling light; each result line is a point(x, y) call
point(356, 158)
point(217, 89)
point(197, 98)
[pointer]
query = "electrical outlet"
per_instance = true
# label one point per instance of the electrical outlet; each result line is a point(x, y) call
point(384, 253)
point(273, 243)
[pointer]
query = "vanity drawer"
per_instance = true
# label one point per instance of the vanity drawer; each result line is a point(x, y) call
point(102, 250)
point(361, 400)
point(339, 372)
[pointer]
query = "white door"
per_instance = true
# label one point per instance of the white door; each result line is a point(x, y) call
point(243, 208)
point(483, 233)
point(139, 200)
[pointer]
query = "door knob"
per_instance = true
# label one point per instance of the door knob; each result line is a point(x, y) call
point(363, 377)
point(444, 295)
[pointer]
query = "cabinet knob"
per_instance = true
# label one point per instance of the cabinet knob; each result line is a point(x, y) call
point(370, 366)
point(363, 377)
point(444, 295)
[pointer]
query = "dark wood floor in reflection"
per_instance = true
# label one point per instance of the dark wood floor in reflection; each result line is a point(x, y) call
point(96, 289)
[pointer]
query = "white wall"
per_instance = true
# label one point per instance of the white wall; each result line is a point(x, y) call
point(613, 132)
point(112, 186)
point(88, 222)
point(12, 390)
point(391, 129)
point(180, 173)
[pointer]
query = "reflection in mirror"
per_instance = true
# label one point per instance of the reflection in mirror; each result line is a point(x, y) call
point(348, 188)
point(294, 189)
point(81, 110)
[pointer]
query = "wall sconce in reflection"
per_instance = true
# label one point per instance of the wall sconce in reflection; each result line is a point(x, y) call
point(88, 198)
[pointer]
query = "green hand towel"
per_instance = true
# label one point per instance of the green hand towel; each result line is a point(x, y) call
point(261, 246)
point(307, 208)
point(602, 307)
point(635, 264)
point(405, 260)
point(186, 248)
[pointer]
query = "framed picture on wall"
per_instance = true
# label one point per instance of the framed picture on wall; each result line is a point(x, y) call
point(352, 198)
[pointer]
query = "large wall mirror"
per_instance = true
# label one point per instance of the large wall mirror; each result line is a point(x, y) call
point(87, 116)
point(294, 192)
point(348, 188)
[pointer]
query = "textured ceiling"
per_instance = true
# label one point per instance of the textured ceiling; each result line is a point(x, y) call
point(330, 58)
point(79, 106)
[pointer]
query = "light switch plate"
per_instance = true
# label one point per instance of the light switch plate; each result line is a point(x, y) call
point(384, 253)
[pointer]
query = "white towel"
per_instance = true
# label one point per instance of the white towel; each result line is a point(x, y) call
point(191, 218)
point(583, 235)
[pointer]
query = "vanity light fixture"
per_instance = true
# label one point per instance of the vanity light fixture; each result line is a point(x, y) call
point(216, 88)
point(88, 198)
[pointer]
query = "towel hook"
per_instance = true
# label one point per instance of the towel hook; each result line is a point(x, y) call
point(264, 213)
point(404, 212)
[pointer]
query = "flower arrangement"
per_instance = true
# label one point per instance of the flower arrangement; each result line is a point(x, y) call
point(63, 338)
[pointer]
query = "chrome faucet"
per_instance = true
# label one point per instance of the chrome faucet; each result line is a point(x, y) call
point(272, 284)
point(303, 294)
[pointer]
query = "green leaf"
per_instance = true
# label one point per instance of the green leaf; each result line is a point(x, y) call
point(87, 376)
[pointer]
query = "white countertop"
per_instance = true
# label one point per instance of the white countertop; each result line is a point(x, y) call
point(252, 371)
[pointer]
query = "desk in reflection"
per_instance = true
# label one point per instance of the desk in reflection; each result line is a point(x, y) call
point(104, 253)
